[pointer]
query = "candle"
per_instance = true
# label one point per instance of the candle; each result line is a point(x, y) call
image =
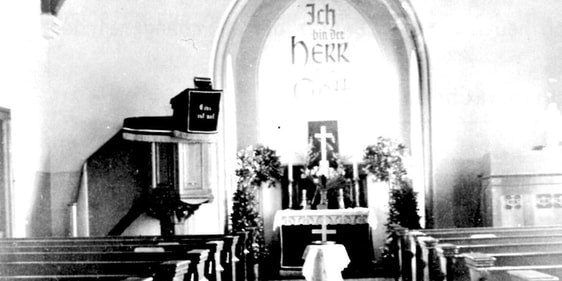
point(355, 170)
point(290, 170)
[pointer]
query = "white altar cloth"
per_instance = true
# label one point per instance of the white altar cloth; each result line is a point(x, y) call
point(324, 262)
point(325, 217)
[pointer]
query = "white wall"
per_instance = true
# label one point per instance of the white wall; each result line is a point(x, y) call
point(113, 59)
point(490, 65)
point(22, 54)
point(116, 59)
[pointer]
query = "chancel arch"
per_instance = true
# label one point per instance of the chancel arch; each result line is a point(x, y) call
point(284, 63)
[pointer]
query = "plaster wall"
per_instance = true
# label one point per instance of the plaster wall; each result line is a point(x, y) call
point(492, 65)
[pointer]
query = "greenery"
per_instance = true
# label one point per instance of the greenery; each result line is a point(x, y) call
point(255, 166)
point(403, 207)
point(246, 217)
point(385, 161)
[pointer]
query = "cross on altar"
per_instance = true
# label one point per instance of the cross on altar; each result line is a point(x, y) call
point(324, 231)
point(323, 136)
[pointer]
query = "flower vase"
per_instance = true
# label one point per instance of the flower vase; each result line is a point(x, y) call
point(341, 203)
point(323, 201)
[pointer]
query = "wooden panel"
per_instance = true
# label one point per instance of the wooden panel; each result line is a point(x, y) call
point(522, 200)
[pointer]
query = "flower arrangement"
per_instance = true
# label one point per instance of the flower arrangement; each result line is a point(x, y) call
point(255, 165)
point(385, 160)
point(331, 179)
point(324, 182)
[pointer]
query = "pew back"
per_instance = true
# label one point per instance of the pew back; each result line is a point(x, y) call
point(104, 254)
point(419, 244)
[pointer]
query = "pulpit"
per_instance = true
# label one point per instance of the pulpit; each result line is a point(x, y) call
point(351, 228)
point(522, 189)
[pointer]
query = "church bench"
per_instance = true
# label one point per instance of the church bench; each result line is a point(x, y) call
point(94, 277)
point(428, 245)
point(229, 256)
point(468, 231)
point(485, 267)
point(547, 237)
point(410, 248)
point(451, 256)
point(111, 270)
point(195, 269)
point(530, 275)
point(436, 258)
point(200, 267)
point(206, 266)
point(456, 267)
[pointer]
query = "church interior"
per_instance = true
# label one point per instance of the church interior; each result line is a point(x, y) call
point(141, 118)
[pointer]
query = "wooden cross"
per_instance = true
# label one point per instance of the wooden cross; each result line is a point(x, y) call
point(323, 136)
point(324, 231)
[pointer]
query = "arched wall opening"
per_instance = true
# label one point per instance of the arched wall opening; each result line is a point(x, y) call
point(246, 40)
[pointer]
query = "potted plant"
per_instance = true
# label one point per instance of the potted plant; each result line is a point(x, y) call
point(256, 166)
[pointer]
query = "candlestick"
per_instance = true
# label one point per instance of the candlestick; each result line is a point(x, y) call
point(290, 171)
point(290, 194)
point(355, 184)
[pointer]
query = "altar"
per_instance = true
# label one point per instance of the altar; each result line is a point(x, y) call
point(351, 228)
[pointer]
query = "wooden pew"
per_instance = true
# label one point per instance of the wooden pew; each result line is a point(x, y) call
point(439, 259)
point(530, 275)
point(96, 277)
point(224, 261)
point(469, 231)
point(451, 257)
point(208, 267)
point(484, 267)
point(107, 270)
point(502, 239)
point(195, 257)
point(198, 268)
point(415, 247)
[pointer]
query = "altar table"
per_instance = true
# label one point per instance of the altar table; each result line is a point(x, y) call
point(324, 262)
point(351, 228)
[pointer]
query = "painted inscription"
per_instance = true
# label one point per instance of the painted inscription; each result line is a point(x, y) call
point(325, 45)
